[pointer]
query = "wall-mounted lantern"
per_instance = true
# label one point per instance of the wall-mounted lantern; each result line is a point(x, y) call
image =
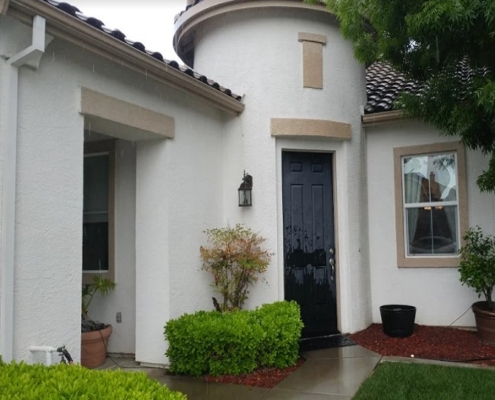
point(245, 191)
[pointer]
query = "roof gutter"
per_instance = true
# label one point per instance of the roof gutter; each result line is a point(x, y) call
point(64, 26)
point(382, 117)
point(31, 54)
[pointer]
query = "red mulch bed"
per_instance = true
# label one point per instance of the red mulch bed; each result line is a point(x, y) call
point(265, 377)
point(430, 342)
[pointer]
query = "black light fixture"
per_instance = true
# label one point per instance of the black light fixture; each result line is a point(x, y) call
point(245, 191)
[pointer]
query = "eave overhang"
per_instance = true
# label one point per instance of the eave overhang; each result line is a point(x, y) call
point(189, 20)
point(64, 26)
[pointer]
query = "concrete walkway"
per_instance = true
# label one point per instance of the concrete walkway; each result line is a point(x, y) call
point(330, 374)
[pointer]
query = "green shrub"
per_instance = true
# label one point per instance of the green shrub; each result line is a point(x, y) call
point(282, 325)
point(34, 382)
point(213, 342)
point(187, 350)
point(234, 342)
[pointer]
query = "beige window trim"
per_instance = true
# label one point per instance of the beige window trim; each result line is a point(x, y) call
point(433, 262)
point(312, 37)
point(99, 147)
point(312, 45)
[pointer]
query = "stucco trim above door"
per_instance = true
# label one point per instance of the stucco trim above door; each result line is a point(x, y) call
point(101, 109)
point(287, 127)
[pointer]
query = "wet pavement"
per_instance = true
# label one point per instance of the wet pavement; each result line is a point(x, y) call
point(329, 374)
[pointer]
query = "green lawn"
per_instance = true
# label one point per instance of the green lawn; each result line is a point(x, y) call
point(403, 381)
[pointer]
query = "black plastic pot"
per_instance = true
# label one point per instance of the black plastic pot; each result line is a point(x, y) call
point(398, 320)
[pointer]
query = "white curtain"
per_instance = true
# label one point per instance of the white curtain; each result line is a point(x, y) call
point(451, 214)
point(412, 193)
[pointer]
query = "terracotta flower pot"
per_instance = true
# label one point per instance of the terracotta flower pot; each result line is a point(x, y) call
point(94, 347)
point(485, 321)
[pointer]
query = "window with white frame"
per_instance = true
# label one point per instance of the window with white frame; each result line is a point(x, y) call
point(431, 204)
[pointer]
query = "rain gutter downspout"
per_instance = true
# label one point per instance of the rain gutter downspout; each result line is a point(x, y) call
point(31, 54)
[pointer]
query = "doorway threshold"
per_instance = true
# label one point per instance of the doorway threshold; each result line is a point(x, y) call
point(325, 342)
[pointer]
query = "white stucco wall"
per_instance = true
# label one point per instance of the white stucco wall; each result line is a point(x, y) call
point(179, 194)
point(196, 203)
point(152, 246)
point(49, 218)
point(436, 292)
point(123, 299)
point(167, 193)
point(256, 53)
point(3, 103)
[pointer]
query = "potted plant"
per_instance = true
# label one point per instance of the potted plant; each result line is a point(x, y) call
point(94, 335)
point(477, 269)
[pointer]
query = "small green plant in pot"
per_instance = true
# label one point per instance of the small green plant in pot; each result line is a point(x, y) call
point(235, 258)
point(477, 269)
point(94, 335)
point(100, 285)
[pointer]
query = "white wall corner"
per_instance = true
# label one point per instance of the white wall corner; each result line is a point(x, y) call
point(152, 243)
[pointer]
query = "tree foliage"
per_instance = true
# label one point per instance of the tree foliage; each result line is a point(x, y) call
point(444, 45)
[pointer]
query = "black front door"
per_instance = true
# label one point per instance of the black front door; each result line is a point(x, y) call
point(309, 243)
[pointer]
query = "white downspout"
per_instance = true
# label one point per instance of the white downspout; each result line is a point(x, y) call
point(32, 53)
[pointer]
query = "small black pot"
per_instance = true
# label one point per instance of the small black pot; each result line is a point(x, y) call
point(398, 320)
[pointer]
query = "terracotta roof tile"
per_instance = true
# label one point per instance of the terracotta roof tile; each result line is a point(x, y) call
point(117, 34)
point(384, 84)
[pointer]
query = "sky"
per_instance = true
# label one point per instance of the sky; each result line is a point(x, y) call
point(150, 22)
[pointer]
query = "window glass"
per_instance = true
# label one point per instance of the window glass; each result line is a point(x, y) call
point(432, 230)
point(96, 212)
point(430, 178)
point(430, 204)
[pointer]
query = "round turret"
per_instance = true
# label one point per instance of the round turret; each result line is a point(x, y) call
point(287, 53)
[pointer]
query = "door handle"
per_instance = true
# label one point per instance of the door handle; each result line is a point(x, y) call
point(331, 261)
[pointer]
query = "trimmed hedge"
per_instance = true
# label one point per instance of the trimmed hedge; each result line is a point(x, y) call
point(282, 325)
point(234, 342)
point(33, 382)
